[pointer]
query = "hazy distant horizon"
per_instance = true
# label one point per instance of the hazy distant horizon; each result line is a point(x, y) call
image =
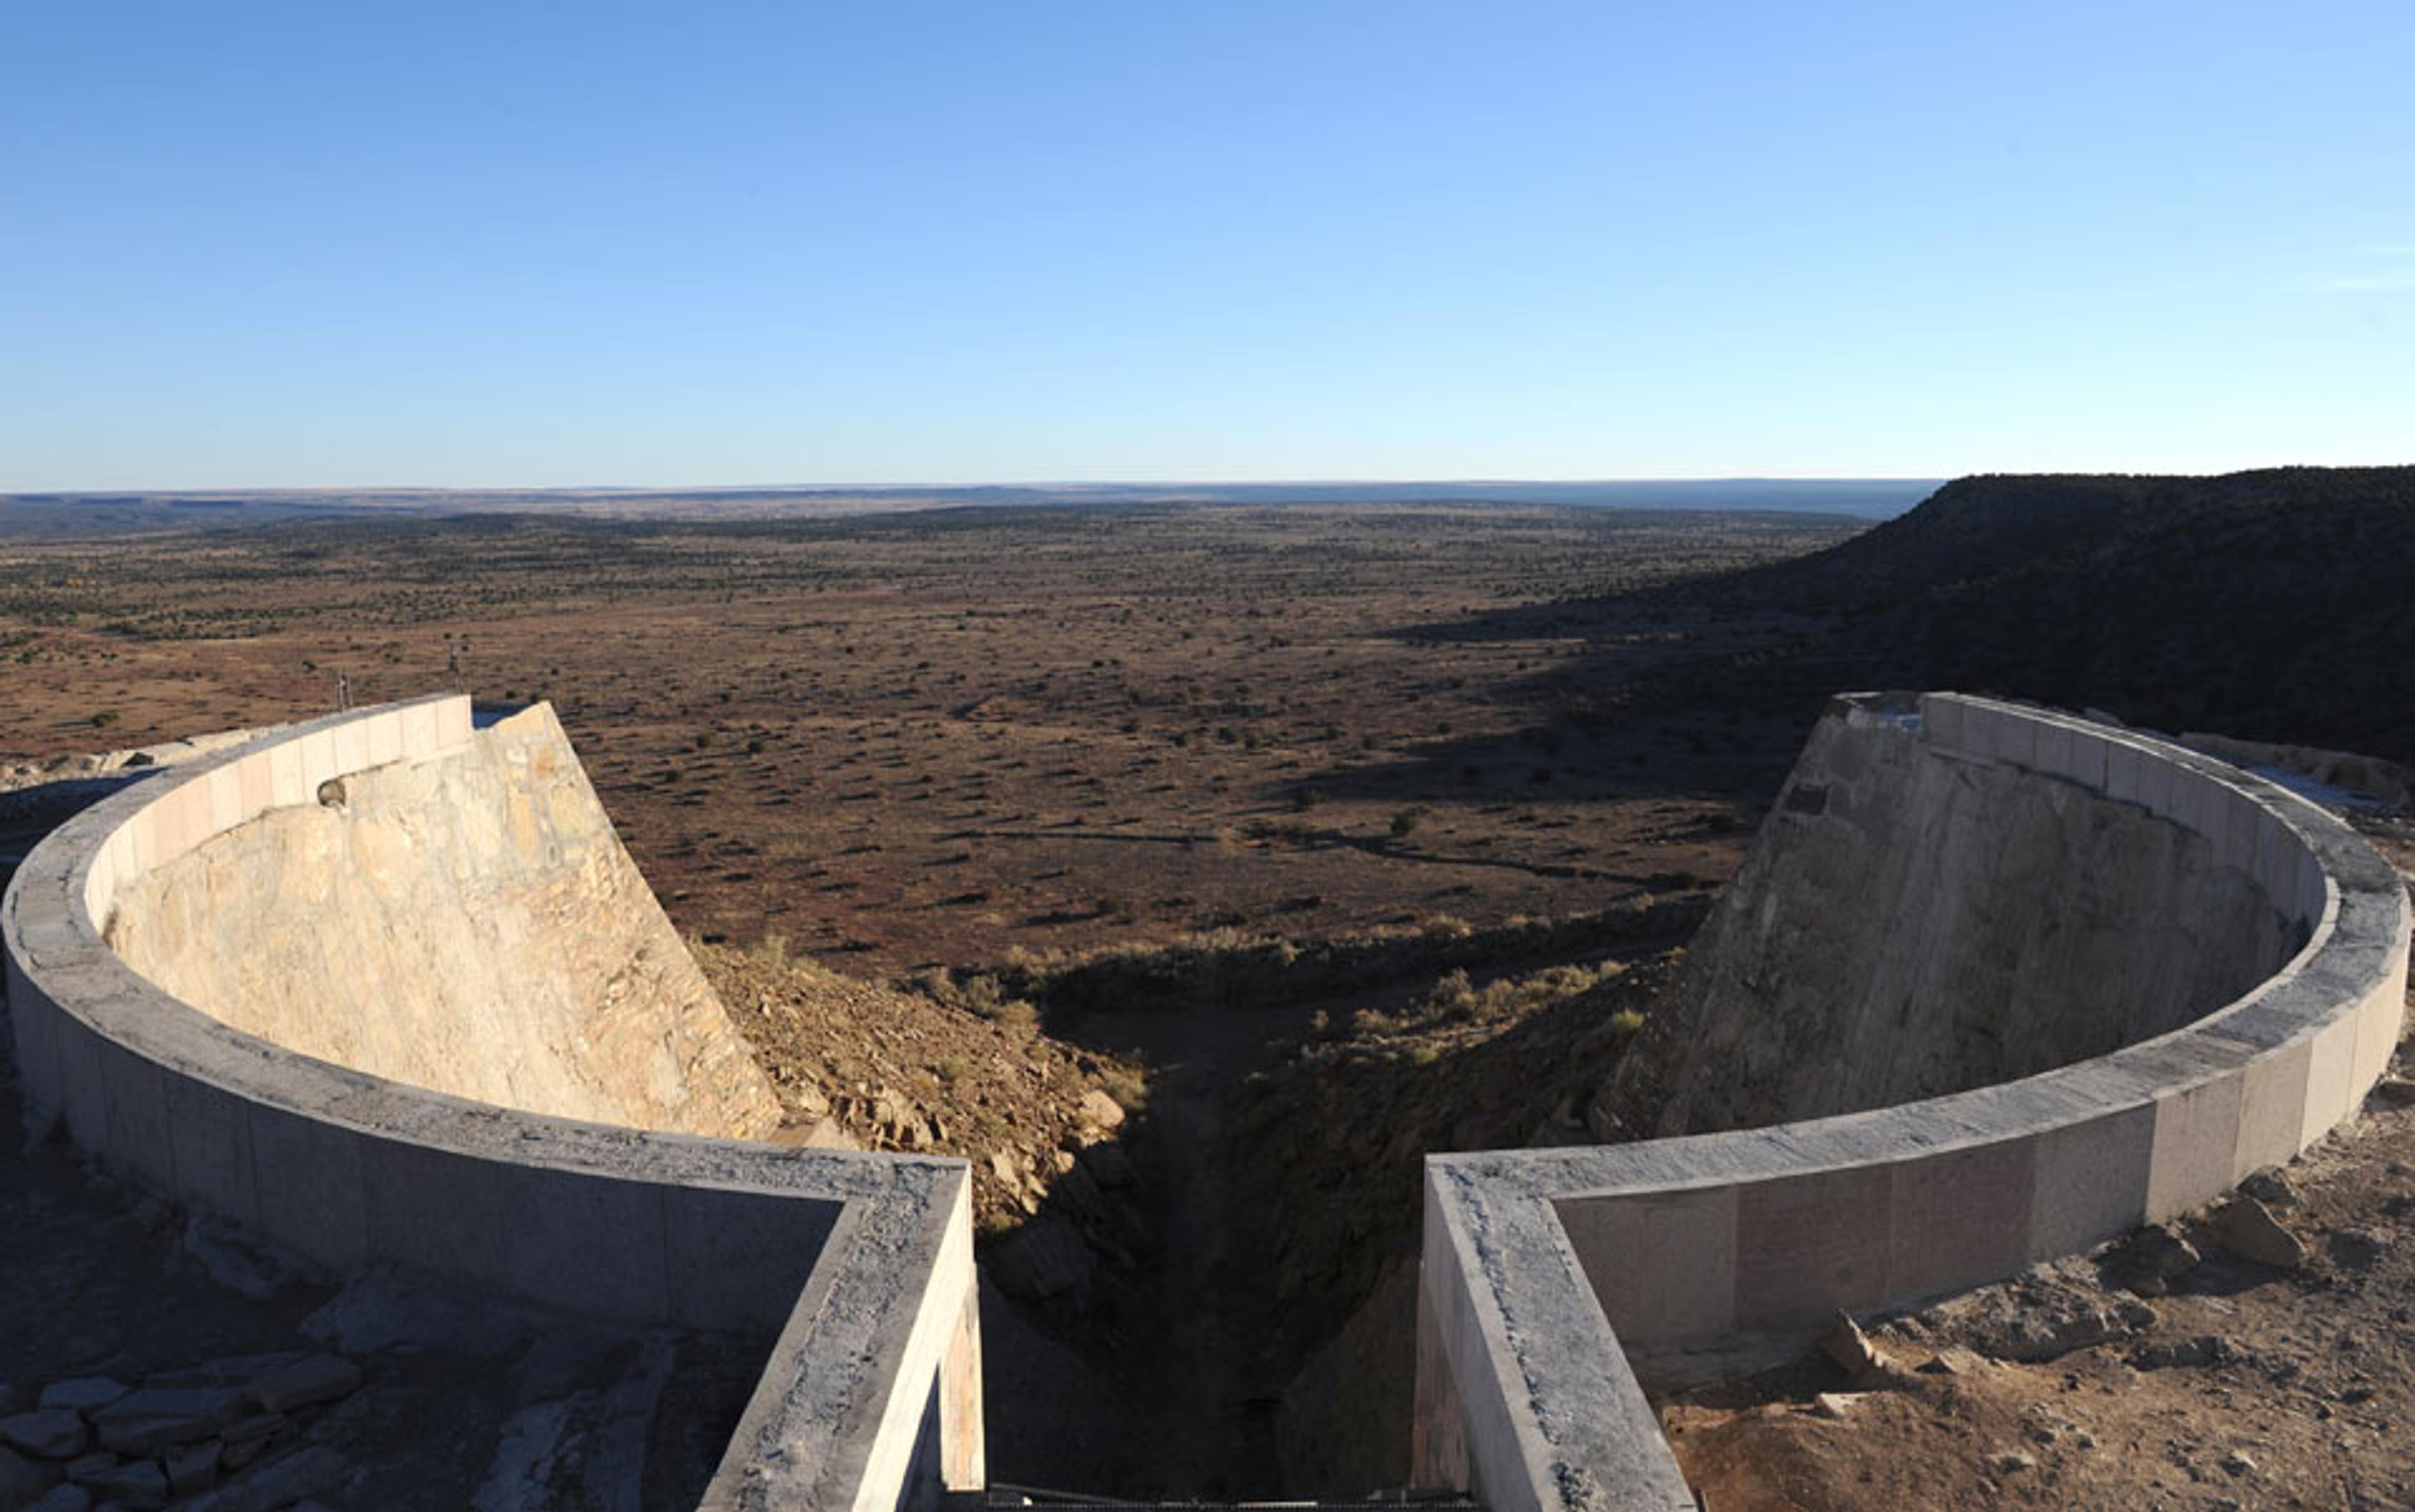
point(54, 513)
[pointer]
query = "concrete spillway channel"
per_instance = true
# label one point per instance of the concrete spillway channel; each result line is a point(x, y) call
point(385, 989)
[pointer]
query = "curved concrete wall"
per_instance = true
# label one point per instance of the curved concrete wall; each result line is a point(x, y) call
point(861, 1263)
point(1543, 1270)
point(466, 921)
point(1915, 921)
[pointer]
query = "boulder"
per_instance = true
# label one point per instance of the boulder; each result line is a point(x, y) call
point(137, 1482)
point(306, 1383)
point(84, 1393)
point(2246, 1228)
point(157, 1418)
point(49, 1433)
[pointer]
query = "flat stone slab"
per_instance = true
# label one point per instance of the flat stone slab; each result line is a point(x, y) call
point(84, 1393)
point(157, 1418)
point(51, 1433)
point(304, 1383)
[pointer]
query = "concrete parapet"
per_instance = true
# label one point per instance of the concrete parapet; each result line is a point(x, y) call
point(1545, 1271)
point(860, 1264)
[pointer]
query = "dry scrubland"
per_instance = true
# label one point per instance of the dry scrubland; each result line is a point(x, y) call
point(935, 739)
point(1192, 870)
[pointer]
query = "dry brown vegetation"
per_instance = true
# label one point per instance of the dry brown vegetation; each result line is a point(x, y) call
point(928, 740)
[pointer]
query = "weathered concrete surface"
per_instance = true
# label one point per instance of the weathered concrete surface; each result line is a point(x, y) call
point(1717, 1250)
point(467, 922)
point(1911, 922)
point(861, 1263)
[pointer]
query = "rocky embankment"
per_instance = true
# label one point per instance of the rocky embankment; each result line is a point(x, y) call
point(223, 1435)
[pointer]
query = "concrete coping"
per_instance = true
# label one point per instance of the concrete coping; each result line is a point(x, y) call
point(1551, 1277)
point(860, 1264)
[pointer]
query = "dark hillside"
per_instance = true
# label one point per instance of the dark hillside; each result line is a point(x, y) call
point(2275, 605)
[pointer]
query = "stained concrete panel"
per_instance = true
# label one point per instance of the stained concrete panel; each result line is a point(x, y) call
point(318, 756)
point(2277, 849)
point(1662, 1264)
point(2306, 894)
point(1809, 1245)
point(2054, 749)
point(416, 725)
point(2272, 1108)
point(738, 1258)
point(1941, 723)
point(2380, 1021)
point(2122, 761)
point(552, 1249)
point(2159, 786)
point(142, 1142)
point(452, 722)
point(2332, 1089)
point(213, 1148)
point(435, 1209)
point(382, 737)
point(257, 786)
point(285, 788)
point(2243, 823)
point(2088, 1180)
point(310, 1187)
point(2016, 740)
point(225, 789)
point(1438, 1422)
point(2197, 1133)
point(1960, 1219)
point(351, 747)
point(2087, 762)
point(33, 1020)
point(83, 1097)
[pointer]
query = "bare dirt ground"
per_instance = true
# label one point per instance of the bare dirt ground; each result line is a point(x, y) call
point(2247, 1386)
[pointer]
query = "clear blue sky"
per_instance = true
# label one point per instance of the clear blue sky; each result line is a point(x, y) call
point(328, 243)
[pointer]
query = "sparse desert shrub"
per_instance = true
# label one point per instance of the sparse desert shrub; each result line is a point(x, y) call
point(1128, 1087)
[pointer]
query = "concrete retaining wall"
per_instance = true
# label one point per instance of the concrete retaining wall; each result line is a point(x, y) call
point(1545, 1270)
point(861, 1263)
point(464, 921)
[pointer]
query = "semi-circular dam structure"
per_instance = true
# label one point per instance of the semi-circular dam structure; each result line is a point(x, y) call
point(2049, 979)
point(1996, 983)
point(385, 989)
